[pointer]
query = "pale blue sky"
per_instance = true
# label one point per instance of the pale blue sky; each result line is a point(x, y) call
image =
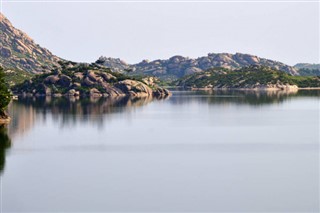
point(287, 32)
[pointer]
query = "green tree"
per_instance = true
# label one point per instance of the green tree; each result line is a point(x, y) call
point(4, 93)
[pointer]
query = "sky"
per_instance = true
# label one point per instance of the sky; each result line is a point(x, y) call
point(133, 31)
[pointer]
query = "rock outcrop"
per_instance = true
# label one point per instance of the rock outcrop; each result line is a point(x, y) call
point(116, 64)
point(179, 66)
point(19, 51)
point(88, 80)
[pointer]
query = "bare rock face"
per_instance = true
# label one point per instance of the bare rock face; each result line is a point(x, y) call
point(113, 92)
point(73, 92)
point(5, 52)
point(108, 77)
point(19, 51)
point(92, 76)
point(88, 82)
point(64, 81)
point(95, 93)
point(179, 66)
point(116, 64)
point(52, 79)
point(192, 70)
point(134, 88)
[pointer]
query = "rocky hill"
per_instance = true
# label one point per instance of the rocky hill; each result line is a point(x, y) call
point(307, 69)
point(19, 51)
point(79, 79)
point(307, 66)
point(116, 64)
point(252, 77)
point(179, 66)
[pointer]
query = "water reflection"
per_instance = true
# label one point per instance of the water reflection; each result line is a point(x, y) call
point(157, 157)
point(5, 143)
point(241, 97)
point(68, 111)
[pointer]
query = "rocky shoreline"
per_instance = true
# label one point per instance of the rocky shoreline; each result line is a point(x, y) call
point(89, 80)
point(269, 87)
point(248, 78)
point(290, 88)
point(123, 88)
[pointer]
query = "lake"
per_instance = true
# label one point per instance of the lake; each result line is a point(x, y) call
point(197, 151)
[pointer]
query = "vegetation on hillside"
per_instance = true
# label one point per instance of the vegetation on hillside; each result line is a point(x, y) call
point(307, 69)
point(5, 95)
point(81, 79)
point(247, 77)
point(178, 66)
point(307, 66)
point(16, 76)
point(309, 72)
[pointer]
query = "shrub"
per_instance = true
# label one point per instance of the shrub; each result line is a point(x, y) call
point(5, 95)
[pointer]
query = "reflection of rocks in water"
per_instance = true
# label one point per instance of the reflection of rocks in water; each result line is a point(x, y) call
point(22, 118)
point(5, 143)
point(244, 97)
point(68, 110)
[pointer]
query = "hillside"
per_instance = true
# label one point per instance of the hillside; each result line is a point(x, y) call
point(252, 77)
point(179, 66)
point(307, 66)
point(16, 76)
point(306, 69)
point(21, 56)
point(79, 79)
point(19, 51)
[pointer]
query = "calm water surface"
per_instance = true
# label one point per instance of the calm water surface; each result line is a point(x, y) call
point(193, 152)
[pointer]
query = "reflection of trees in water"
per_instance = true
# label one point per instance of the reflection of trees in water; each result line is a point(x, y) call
point(5, 143)
point(243, 97)
point(68, 110)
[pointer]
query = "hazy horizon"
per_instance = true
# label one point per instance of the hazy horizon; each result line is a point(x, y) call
point(285, 32)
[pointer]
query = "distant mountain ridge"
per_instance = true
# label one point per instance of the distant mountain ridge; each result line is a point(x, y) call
point(19, 51)
point(179, 66)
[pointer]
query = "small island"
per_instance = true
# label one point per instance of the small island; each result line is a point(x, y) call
point(252, 77)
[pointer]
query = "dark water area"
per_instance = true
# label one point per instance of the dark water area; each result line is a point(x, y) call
point(196, 151)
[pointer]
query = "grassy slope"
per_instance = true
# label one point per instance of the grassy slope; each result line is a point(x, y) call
point(16, 76)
